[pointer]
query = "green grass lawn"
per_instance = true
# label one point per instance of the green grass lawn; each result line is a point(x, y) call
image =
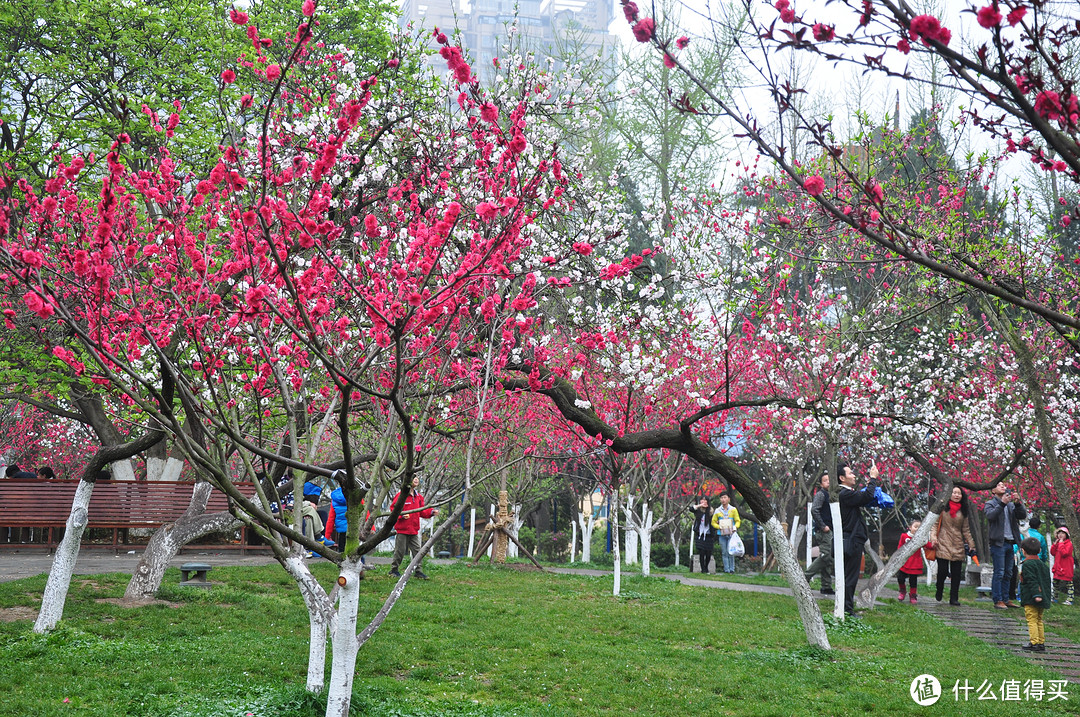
point(485, 641)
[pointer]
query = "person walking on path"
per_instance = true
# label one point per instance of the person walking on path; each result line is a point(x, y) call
point(913, 568)
point(1034, 593)
point(822, 518)
point(1062, 550)
point(854, 528)
point(704, 534)
point(726, 521)
point(951, 537)
point(1004, 511)
point(408, 528)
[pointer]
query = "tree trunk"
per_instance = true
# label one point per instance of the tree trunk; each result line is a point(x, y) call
point(1047, 437)
point(630, 532)
point(866, 597)
point(879, 564)
point(793, 573)
point(122, 470)
point(586, 537)
point(320, 617)
point(345, 645)
point(613, 516)
point(171, 537)
point(56, 588)
point(646, 541)
point(164, 470)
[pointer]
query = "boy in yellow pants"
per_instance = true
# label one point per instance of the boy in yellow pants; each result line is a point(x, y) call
point(1034, 593)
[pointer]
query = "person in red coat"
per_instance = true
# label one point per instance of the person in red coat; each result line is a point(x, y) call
point(408, 528)
point(1062, 550)
point(913, 568)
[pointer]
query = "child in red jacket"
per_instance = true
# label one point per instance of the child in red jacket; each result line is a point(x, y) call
point(913, 568)
point(1062, 550)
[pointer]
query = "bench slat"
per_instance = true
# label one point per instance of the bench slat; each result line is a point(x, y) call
point(113, 504)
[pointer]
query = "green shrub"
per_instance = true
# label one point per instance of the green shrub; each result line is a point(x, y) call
point(664, 557)
point(527, 537)
point(554, 546)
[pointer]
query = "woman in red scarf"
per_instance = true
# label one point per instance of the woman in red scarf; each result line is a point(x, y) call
point(950, 537)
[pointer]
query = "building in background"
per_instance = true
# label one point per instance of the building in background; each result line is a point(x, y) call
point(564, 30)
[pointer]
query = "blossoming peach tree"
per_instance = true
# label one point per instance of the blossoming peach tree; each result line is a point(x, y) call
point(357, 254)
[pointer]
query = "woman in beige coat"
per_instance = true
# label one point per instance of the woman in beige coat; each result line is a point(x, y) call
point(950, 537)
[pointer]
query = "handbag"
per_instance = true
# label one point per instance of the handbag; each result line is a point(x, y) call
point(726, 526)
point(930, 553)
point(735, 546)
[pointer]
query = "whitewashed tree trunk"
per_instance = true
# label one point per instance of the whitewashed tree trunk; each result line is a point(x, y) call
point(56, 588)
point(586, 535)
point(614, 518)
point(809, 534)
point(345, 645)
point(573, 540)
point(646, 541)
point(472, 531)
point(675, 545)
point(122, 470)
point(793, 573)
point(630, 531)
point(171, 537)
point(838, 561)
point(164, 470)
point(866, 597)
point(320, 617)
point(764, 547)
point(515, 526)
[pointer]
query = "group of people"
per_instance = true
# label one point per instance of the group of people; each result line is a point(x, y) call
point(331, 524)
point(714, 528)
point(43, 473)
point(1010, 534)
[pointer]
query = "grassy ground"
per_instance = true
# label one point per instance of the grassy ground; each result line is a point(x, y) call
point(484, 641)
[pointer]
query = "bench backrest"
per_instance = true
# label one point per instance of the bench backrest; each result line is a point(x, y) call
point(45, 503)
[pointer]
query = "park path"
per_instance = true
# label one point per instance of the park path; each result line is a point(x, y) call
point(1000, 629)
point(1004, 630)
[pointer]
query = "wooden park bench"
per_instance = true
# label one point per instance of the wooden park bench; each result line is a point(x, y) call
point(115, 505)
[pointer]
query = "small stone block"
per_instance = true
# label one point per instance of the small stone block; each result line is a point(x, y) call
point(199, 569)
point(444, 553)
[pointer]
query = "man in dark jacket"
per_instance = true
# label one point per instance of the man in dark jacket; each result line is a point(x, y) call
point(1004, 511)
point(822, 516)
point(852, 502)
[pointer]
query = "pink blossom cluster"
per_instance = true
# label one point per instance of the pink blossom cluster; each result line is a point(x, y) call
point(928, 28)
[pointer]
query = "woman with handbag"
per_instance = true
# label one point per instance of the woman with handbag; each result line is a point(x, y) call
point(949, 537)
point(726, 521)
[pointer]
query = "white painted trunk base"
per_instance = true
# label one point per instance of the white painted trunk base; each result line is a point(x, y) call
point(868, 595)
point(56, 588)
point(345, 645)
point(809, 611)
point(320, 612)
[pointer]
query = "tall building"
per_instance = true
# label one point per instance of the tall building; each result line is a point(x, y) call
point(559, 29)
